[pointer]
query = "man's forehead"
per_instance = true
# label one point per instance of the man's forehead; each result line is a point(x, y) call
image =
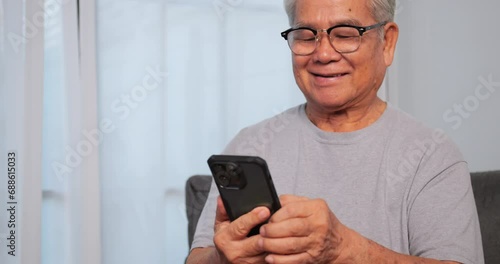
point(334, 12)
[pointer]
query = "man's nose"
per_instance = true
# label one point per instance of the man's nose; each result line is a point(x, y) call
point(325, 52)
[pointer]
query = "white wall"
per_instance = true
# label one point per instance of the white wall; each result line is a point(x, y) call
point(447, 53)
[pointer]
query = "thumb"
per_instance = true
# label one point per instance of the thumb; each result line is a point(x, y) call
point(242, 226)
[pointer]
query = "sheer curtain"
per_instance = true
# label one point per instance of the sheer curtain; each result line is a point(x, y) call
point(178, 79)
point(136, 96)
point(71, 200)
point(21, 76)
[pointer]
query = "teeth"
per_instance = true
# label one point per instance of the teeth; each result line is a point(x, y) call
point(331, 76)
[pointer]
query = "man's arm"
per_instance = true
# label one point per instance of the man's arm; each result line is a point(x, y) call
point(372, 252)
point(206, 255)
point(375, 253)
point(306, 231)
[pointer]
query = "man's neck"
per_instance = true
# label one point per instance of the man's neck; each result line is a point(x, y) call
point(347, 120)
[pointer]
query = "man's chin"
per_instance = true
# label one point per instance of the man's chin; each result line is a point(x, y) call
point(328, 105)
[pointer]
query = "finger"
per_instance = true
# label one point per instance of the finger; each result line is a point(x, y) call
point(292, 210)
point(252, 259)
point(242, 249)
point(294, 227)
point(288, 198)
point(301, 209)
point(256, 259)
point(220, 226)
point(220, 213)
point(285, 246)
point(221, 218)
point(242, 226)
point(252, 246)
point(292, 258)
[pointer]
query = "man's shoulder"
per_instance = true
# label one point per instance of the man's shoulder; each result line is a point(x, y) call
point(412, 139)
point(407, 128)
point(407, 124)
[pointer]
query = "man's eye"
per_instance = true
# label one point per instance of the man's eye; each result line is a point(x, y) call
point(345, 33)
point(343, 36)
point(308, 39)
point(304, 35)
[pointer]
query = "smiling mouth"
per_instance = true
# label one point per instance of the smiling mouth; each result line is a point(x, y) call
point(329, 75)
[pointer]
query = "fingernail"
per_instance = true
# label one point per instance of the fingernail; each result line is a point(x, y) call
point(262, 231)
point(269, 259)
point(260, 243)
point(263, 214)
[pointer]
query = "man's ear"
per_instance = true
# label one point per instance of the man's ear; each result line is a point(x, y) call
point(390, 40)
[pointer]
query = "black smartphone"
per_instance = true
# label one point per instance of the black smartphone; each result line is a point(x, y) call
point(244, 183)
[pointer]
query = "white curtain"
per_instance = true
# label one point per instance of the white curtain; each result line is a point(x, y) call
point(136, 96)
point(71, 190)
point(21, 64)
point(45, 46)
point(178, 79)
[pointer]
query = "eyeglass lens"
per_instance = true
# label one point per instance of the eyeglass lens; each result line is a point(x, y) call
point(343, 39)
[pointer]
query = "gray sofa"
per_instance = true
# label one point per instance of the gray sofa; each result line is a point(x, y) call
point(486, 186)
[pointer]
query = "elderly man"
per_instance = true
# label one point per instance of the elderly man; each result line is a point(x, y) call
point(364, 182)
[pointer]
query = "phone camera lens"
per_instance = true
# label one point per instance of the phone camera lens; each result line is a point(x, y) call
point(232, 170)
point(223, 178)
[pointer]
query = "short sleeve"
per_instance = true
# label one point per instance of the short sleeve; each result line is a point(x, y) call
point(205, 228)
point(442, 217)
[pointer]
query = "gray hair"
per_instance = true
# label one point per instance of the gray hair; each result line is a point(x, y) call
point(382, 10)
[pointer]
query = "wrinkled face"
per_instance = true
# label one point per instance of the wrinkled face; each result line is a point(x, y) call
point(332, 81)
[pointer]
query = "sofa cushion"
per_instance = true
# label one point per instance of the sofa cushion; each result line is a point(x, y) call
point(486, 187)
point(197, 188)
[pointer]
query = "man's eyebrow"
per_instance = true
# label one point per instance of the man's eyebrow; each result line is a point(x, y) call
point(349, 21)
point(301, 24)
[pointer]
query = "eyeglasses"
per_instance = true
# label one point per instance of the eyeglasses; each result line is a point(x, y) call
point(343, 38)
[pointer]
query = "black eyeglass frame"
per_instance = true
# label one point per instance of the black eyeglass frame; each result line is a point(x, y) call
point(361, 30)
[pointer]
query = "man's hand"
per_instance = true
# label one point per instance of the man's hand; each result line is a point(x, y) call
point(307, 231)
point(230, 238)
point(303, 231)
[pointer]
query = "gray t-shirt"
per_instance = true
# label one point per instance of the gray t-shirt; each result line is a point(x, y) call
point(403, 185)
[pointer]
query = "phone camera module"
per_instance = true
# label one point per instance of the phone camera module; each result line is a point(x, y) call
point(229, 176)
point(223, 178)
point(238, 180)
